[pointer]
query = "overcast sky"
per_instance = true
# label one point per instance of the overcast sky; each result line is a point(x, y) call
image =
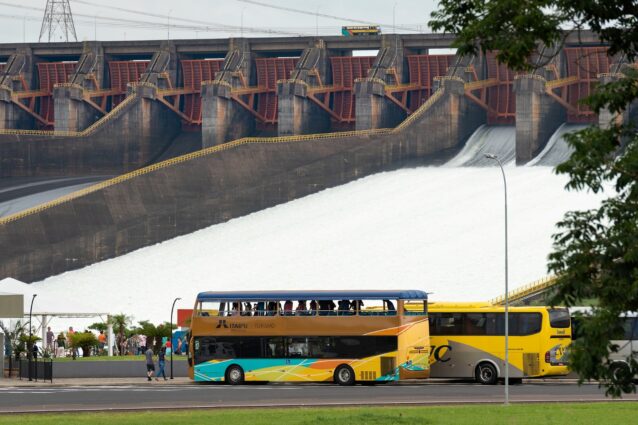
point(21, 20)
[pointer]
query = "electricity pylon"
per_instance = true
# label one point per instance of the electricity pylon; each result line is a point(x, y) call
point(57, 20)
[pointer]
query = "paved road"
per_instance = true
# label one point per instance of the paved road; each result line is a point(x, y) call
point(162, 395)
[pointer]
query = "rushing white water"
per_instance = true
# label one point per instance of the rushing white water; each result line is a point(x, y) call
point(437, 229)
point(496, 140)
point(556, 151)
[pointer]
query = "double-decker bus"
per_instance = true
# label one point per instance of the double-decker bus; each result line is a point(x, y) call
point(307, 336)
point(468, 341)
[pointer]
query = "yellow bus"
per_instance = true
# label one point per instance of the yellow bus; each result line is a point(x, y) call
point(467, 341)
point(355, 31)
point(307, 336)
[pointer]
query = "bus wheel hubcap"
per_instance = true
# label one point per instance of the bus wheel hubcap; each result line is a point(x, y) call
point(344, 375)
point(235, 375)
point(486, 373)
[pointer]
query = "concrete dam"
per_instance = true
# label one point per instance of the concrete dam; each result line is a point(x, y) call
point(180, 135)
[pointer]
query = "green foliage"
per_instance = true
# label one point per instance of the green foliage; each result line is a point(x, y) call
point(120, 324)
point(99, 326)
point(595, 253)
point(85, 341)
point(515, 28)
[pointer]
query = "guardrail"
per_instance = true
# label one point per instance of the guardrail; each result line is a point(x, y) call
point(115, 112)
point(526, 290)
point(34, 369)
point(188, 157)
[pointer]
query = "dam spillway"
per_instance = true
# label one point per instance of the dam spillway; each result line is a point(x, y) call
point(198, 132)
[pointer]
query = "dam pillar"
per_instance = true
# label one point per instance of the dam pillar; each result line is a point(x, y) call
point(297, 113)
point(71, 113)
point(223, 119)
point(373, 109)
point(630, 114)
point(11, 116)
point(538, 116)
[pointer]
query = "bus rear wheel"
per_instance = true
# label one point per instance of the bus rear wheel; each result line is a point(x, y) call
point(344, 375)
point(621, 373)
point(486, 374)
point(235, 375)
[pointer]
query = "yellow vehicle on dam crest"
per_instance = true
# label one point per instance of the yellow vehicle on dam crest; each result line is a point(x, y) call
point(306, 336)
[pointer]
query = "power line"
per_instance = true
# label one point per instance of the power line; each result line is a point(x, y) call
point(323, 15)
point(194, 21)
point(57, 16)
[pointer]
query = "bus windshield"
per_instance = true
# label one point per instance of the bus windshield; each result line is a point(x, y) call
point(559, 318)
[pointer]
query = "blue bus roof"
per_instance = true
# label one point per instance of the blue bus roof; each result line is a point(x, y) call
point(409, 294)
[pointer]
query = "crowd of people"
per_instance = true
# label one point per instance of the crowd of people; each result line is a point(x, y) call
point(61, 345)
point(303, 308)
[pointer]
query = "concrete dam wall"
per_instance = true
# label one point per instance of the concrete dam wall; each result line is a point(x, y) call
point(217, 184)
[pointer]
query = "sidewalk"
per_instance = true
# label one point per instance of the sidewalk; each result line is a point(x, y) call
point(70, 382)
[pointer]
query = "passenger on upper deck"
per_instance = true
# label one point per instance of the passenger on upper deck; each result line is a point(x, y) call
point(391, 310)
point(259, 308)
point(357, 306)
point(287, 308)
point(272, 308)
point(248, 309)
point(313, 308)
point(236, 309)
point(326, 308)
point(344, 308)
point(301, 309)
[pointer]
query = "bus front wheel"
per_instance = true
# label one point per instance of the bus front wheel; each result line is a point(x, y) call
point(344, 375)
point(234, 375)
point(486, 374)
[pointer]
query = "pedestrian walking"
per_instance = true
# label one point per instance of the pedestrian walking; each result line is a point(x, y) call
point(101, 338)
point(178, 351)
point(150, 367)
point(50, 337)
point(161, 362)
point(59, 352)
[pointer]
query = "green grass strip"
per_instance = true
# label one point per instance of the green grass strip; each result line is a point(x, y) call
point(516, 414)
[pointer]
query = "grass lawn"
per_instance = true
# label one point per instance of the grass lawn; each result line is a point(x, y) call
point(517, 414)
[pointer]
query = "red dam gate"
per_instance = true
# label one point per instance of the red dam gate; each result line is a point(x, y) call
point(585, 63)
point(423, 69)
point(195, 71)
point(50, 74)
point(122, 73)
point(345, 70)
point(269, 71)
point(500, 96)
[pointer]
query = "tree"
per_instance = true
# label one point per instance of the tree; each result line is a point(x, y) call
point(154, 334)
point(99, 326)
point(595, 252)
point(84, 340)
point(120, 324)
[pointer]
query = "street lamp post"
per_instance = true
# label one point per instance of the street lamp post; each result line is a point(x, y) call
point(171, 334)
point(507, 374)
point(30, 349)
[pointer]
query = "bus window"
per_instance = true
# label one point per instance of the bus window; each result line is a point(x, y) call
point(529, 324)
point(274, 347)
point(559, 318)
point(446, 324)
point(629, 328)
